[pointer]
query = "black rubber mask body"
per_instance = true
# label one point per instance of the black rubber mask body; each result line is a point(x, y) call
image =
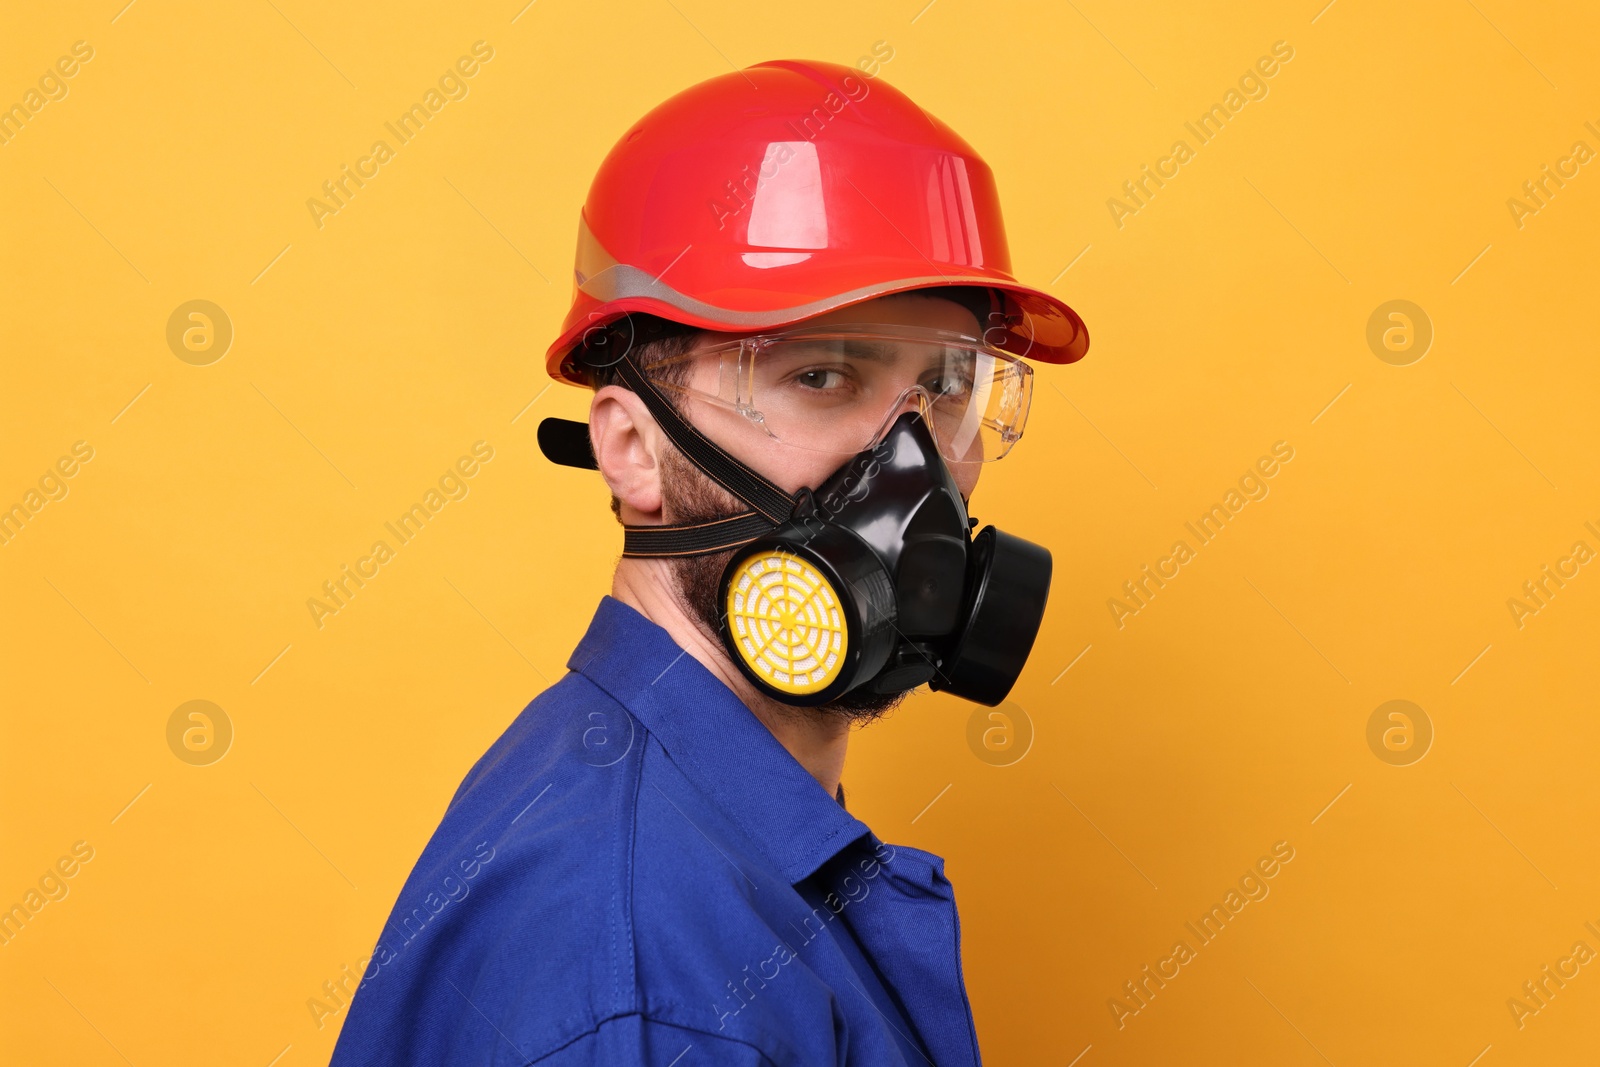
point(924, 603)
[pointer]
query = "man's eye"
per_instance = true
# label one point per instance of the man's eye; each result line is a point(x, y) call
point(820, 379)
point(950, 385)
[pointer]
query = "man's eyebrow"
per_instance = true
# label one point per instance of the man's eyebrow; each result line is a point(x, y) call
point(862, 348)
point(884, 352)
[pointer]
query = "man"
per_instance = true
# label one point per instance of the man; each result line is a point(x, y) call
point(793, 302)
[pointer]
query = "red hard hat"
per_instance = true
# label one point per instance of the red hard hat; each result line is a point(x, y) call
point(788, 189)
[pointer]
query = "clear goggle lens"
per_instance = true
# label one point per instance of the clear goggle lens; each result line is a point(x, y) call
point(839, 389)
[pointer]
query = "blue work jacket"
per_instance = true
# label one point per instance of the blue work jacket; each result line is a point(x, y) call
point(637, 872)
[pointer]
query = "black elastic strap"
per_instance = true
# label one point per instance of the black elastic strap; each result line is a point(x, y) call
point(744, 483)
point(694, 538)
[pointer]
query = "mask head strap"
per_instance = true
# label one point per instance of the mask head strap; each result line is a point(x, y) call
point(770, 505)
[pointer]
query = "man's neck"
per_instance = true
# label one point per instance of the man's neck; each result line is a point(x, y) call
point(814, 738)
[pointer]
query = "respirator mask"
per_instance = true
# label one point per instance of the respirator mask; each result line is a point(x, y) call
point(872, 580)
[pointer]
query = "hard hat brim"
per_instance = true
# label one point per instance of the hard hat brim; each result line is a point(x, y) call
point(1039, 327)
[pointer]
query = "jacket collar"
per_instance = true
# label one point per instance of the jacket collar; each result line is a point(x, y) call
point(718, 743)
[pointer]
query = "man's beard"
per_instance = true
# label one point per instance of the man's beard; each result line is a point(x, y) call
point(689, 496)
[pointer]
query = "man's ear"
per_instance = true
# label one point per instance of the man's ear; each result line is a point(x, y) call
point(627, 446)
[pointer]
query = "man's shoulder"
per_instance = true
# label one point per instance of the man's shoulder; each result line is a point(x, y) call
point(553, 796)
point(573, 722)
point(512, 920)
point(576, 880)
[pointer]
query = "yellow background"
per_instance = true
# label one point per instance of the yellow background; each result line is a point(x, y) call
point(1226, 315)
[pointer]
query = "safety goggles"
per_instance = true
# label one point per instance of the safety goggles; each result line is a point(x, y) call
point(837, 389)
